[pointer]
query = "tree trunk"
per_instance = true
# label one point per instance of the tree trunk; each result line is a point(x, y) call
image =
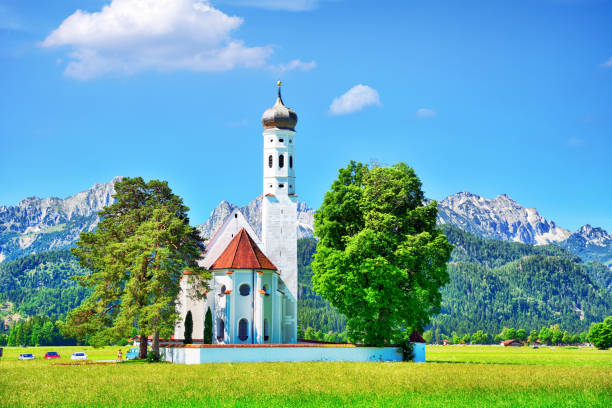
point(155, 345)
point(144, 342)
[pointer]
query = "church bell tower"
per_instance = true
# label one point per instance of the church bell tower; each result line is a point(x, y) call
point(279, 208)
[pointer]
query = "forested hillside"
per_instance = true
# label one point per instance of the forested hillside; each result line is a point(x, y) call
point(40, 284)
point(493, 284)
point(496, 284)
point(313, 311)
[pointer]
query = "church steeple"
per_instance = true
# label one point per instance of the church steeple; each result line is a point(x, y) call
point(279, 148)
point(279, 208)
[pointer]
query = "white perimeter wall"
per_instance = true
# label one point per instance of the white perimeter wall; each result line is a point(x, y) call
point(289, 354)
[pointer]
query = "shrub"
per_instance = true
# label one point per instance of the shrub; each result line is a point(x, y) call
point(407, 348)
point(153, 357)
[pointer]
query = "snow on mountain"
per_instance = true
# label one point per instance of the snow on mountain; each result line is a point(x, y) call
point(593, 236)
point(41, 224)
point(252, 212)
point(500, 218)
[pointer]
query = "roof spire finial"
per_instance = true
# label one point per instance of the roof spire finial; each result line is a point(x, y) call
point(280, 98)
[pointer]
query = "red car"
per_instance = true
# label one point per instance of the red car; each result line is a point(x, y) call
point(51, 354)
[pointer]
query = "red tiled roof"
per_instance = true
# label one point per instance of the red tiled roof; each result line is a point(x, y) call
point(416, 337)
point(243, 253)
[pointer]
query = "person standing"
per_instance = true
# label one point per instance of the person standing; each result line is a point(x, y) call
point(119, 355)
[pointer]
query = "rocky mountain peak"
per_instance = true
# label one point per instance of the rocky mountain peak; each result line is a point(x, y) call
point(39, 224)
point(594, 235)
point(498, 218)
point(252, 213)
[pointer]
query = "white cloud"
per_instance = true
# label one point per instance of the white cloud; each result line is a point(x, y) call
point(608, 63)
point(425, 113)
point(128, 36)
point(297, 64)
point(288, 5)
point(355, 99)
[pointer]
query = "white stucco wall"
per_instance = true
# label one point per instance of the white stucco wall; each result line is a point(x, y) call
point(280, 354)
point(419, 353)
point(196, 306)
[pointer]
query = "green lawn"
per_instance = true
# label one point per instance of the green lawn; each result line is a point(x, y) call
point(456, 376)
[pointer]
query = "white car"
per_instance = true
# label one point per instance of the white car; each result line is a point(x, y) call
point(26, 356)
point(79, 355)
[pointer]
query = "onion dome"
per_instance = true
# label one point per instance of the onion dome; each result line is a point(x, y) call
point(279, 116)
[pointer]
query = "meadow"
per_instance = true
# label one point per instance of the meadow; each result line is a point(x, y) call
point(457, 376)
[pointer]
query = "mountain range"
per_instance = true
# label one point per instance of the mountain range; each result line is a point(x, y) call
point(510, 265)
point(40, 224)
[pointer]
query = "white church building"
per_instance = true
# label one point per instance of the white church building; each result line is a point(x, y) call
point(253, 290)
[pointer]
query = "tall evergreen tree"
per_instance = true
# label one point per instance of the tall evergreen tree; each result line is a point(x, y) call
point(380, 259)
point(208, 329)
point(188, 333)
point(136, 256)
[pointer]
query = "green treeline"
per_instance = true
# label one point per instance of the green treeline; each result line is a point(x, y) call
point(552, 335)
point(493, 285)
point(41, 284)
point(36, 331)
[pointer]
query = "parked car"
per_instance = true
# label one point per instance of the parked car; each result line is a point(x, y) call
point(132, 353)
point(52, 354)
point(26, 356)
point(79, 355)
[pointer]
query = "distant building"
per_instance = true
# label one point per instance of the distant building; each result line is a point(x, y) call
point(511, 343)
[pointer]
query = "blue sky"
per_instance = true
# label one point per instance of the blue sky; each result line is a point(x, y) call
point(490, 97)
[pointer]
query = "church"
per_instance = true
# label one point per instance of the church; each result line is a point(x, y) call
point(253, 291)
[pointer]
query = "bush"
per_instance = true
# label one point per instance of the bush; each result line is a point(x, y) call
point(407, 348)
point(153, 357)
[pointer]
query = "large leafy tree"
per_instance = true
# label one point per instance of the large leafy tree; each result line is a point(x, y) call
point(136, 256)
point(600, 334)
point(380, 259)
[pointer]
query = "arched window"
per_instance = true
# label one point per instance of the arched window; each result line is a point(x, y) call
point(245, 290)
point(291, 162)
point(270, 161)
point(222, 290)
point(281, 161)
point(243, 329)
point(266, 290)
point(220, 330)
point(266, 333)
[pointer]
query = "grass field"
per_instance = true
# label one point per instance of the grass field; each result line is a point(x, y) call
point(455, 376)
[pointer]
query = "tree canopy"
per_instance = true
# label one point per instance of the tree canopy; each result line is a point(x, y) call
point(136, 256)
point(600, 334)
point(380, 259)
